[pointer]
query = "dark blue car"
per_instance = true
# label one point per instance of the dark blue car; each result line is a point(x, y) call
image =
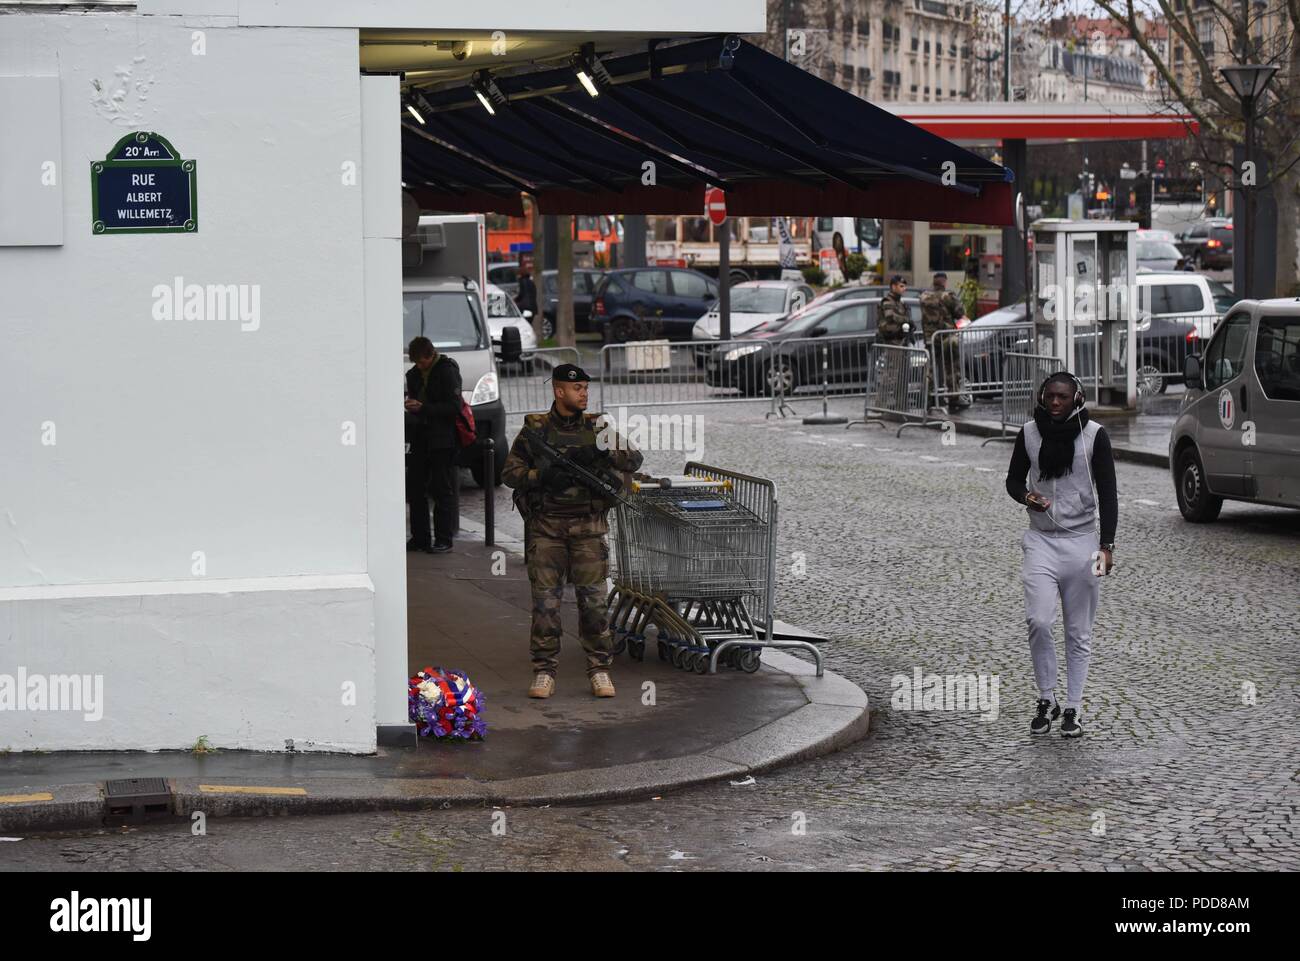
point(651, 303)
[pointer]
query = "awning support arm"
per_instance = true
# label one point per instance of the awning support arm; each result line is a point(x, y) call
point(690, 143)
point(740, 130)
point(607, 131)
point(469, 158)
point(564, 164)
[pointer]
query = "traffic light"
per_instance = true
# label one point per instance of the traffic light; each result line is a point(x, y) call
point(1160, 165)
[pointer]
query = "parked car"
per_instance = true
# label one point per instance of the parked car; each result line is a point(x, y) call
point(793, 360)
point(984, 347)
point(505, 274)
point(753, 303)
point(447, 311)
point(585, 282)
point(1175, 316)
point(1247, 380)
point(1163, 345)
point(1159, 255)
point(1166, 236)
point(1208, 244)
point(1223, 296)
point(503, 312)
point(644, 303)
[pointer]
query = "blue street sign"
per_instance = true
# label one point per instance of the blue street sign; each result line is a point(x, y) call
point(143, 186)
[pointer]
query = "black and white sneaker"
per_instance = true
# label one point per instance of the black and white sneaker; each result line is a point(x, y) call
point(1070, 726)
point(1042, 723)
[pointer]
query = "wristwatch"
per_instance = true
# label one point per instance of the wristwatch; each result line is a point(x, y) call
point(1109, 547)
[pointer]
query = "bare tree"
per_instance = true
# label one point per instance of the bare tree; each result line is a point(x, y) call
point(1259, 31)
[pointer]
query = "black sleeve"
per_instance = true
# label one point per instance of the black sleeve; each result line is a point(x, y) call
point(442, 402)
point(1103, 475)
point(1018, 470)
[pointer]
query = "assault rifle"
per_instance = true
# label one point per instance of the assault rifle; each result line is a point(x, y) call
point(595, 481)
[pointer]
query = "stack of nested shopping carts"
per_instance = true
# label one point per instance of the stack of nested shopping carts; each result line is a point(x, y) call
point(695, 557)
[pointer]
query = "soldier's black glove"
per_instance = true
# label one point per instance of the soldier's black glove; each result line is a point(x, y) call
point(556, 479)
point(592, 458)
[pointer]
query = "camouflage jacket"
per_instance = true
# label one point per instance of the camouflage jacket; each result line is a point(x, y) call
point(893, 315)
point(939, 311)
point(523, 468)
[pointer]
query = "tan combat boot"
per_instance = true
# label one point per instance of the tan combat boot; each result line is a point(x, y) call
point(601, 685)
point(543, 686)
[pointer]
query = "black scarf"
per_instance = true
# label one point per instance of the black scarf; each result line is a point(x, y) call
point(1056, 456)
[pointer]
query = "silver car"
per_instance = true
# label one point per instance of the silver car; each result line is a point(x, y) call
point(1237, 436)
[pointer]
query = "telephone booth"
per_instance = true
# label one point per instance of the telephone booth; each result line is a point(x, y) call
point(1086, 303)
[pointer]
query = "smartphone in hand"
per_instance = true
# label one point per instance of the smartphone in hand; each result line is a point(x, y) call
point(1037, 502)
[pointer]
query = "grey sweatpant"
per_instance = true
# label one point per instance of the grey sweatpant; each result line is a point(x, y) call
point(1060, 566)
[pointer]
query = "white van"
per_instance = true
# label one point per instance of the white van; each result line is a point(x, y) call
point(1237, 436)
point(448, 310)
point(861, 235)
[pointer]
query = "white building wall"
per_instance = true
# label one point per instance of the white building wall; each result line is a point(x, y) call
point(179, 508)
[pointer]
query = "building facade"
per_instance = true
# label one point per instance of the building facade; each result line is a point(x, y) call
point(1078, 59)
point(202, 490)
point(916, 50)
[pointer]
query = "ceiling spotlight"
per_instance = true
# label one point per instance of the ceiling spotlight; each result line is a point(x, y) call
point(487, 91)
point(588, 68)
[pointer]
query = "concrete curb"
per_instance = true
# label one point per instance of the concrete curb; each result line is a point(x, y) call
point(1122, 453)
point(836, 715)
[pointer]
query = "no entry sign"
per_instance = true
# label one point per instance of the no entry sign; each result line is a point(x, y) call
point(715, 205)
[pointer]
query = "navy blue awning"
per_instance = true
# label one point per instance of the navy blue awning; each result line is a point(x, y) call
point(716, 111)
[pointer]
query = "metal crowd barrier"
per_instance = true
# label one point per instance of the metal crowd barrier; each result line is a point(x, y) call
point(1022, 375)
point(967, 362)
point(805, 368)
point(663, 373)
point(525, 384)
point(896, 387)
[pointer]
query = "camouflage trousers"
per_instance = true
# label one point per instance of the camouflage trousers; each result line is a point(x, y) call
point(945, 360)
point(576, 550)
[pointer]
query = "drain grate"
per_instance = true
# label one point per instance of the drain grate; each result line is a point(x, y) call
point(137, 798)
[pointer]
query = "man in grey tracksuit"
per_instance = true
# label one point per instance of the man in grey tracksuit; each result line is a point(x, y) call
point(1073, 511)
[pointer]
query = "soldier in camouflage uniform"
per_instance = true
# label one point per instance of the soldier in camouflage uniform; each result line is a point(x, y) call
point(893, 326)
point(893, 314)
point(940, 310)
point(567, 528)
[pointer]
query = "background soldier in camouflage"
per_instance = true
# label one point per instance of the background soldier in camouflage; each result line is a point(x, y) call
point(567, 528)
point(893, 314)
point(940, 310)
point(893, 326)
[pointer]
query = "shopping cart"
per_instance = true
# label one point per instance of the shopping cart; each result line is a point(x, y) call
point(695, 557)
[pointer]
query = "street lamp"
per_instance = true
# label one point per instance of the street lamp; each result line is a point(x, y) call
point(1248, 81)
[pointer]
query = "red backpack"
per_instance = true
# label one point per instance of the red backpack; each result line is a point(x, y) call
point(466, 433)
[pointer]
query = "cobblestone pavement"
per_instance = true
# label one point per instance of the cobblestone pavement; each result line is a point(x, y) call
point(910, 559)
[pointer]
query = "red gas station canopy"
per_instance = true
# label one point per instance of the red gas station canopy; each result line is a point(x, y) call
point(991, 123)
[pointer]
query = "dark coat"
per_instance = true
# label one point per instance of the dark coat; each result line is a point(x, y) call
point(434, 426)
point(526, 299)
